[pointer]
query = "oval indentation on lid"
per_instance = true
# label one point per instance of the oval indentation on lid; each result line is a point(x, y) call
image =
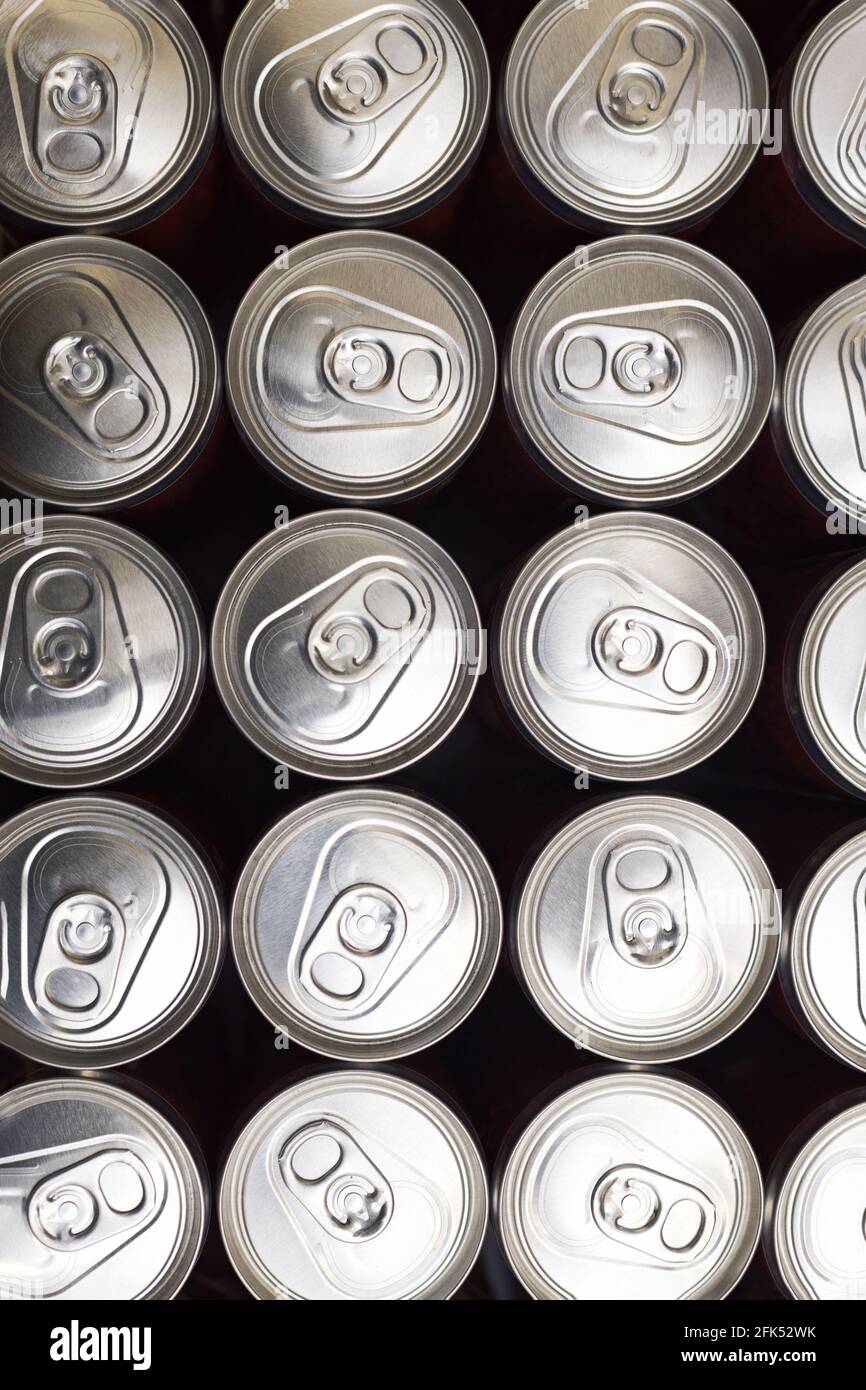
point(388, 604)
point(120, 416)
point(75, 152)
point(334, 974)
point(121, 1186)
point(72, 989)
point(684, 667)
point(316, 1157)
point(400, 49)
point(659, 45)
point(63, 591)
point(584, 363)
point(642, 869)
point(683, 1225)
point(419, 375)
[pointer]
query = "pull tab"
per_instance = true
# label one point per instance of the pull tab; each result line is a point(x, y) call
point(377, 617)
point(659, 656)
point(604, 364)
point(645, 896)
point(107, 1195)
point(651, 59)
point(407, 373)
point(63, 625)
point(853, 358)
point(103, 396)
point(76, 118)
point(659, 1216)
point(354, 945)
point(333, 1178)
point(377, 68)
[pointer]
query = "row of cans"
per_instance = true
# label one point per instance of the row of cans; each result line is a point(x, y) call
point(362, 367)
point(365, 1185)
point(347, 645)
point(366, 925)
point(615, 114)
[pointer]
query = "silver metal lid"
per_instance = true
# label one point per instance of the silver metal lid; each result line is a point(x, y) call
point(111, 932)
point(824, 954)
point(100, 1196)
point(102, 658)
point(348, 113)
point(647, 929)
point(346, 645)
point(109, 374)
point(354, 1185)
point(641, 370)
point(630, 1187)
point(815, 1223)
point(630, 646)
point(831, 682)
point(108, 110)
point(634, 115)
point(367, 924)
point(821, 406)
point(364, 368)
point(827, 107)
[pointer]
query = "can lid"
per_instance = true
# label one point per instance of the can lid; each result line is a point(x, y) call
point(630, 646)
point(354, 1185)
point(634, 115)
point(367, 924)
point(831, 684)
point(630, 1186)
point(103, 653)
point(816, 1222)
point(825, 952)
point(346, 645)
point(828, 109)
point(114, 111)
point(647, 929)
point(362, 368)
point(100, 1195)
point(111, 935)
point(356, 115)
point(109, 373)
point(823, 400)
point(640, 369)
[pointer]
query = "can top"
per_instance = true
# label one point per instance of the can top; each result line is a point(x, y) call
point(823, 400)
point(635, 115)
point(109, 107)
point(831, 684)
point(356, 113)
point(630, 646)
point(828, 109)
point(103, 653)
point(100, 1196)
point(112, 934)
point(630, 1186)
point(367, 923)
point(816, 1219)
point(647, 929)
point(362, 366)
point(825, 952)
point(354, 1185)
point(108, 370)
point(640, 369)
point(346, 645)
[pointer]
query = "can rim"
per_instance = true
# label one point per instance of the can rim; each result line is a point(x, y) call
point(245, 332)
point(707, 741)
point(207, 392)
point(241, 135)
point(243, 576)
point(828, 749)
point(251, 1270)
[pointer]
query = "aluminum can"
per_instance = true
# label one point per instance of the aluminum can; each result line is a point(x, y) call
point(346, 645)
point(361, 367)
point(646, 929)
point(109, 111)
point(633, 115)
point(103, 1195)
point(630, 647)
point(630, 1186)
point(111, 935)
point(109, 373)
point(813, 1230)
point(352, 114)
point(824, 148)
point(639, 370)
point(354, 1185)
point(367, 924)
point(103, 655)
